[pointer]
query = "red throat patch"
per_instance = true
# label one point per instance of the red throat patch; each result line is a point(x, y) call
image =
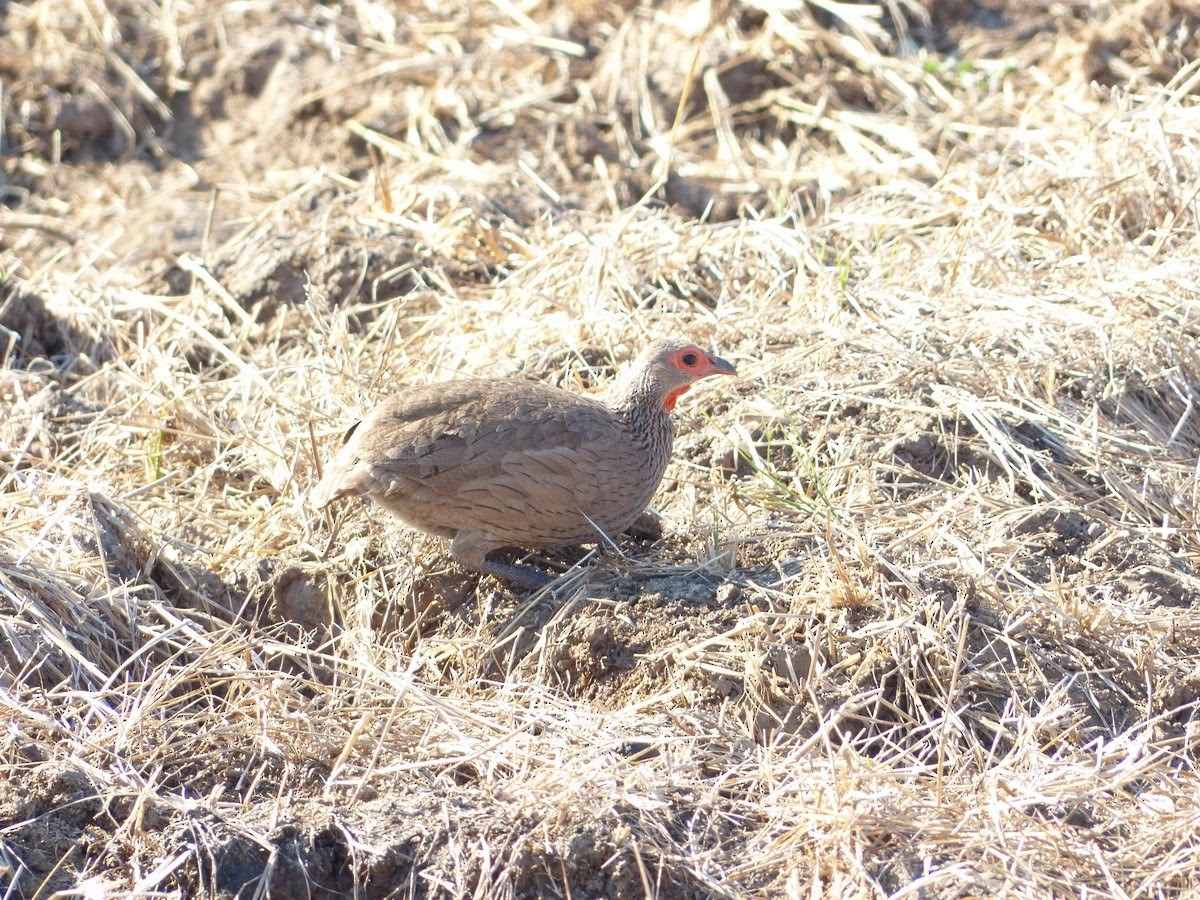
point(675, 395)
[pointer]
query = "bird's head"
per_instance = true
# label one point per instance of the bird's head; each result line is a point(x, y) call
point(666, 369)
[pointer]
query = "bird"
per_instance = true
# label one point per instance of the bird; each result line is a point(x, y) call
point(496, 464)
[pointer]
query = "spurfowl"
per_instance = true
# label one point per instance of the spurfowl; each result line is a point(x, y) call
point(495, 463)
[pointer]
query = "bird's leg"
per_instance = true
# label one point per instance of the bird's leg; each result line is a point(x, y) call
point(646, 527)
point(471, 549)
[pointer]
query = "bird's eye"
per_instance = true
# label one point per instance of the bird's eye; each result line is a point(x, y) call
point(690, 359)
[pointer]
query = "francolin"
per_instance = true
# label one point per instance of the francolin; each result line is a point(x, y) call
point(502, 463)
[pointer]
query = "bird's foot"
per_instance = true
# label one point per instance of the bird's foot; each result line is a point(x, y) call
point(518, 576)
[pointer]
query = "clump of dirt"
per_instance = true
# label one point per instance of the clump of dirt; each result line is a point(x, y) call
point(590, 655)
point(37, 332)
point(56, 820)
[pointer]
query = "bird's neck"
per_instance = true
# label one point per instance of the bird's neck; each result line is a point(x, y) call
point(645, 409)
point(637, 394)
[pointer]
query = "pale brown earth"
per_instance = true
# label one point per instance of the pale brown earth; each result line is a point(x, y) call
point(923, 619)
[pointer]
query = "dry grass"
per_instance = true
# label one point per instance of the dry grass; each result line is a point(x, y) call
point(924, 622)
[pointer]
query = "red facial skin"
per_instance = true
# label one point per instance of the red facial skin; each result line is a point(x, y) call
point(698, 364)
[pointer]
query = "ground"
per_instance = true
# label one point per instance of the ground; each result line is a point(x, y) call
point(922, 620)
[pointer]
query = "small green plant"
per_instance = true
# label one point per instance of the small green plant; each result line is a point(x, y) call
point(1114, 387)
point(842, 265)
point(963, 73)
point(792, 472)
point(154, 455)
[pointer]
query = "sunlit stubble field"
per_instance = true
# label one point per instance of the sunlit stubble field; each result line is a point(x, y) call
point(922, 620)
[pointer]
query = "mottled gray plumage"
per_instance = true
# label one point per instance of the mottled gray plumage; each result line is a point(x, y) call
point(497, 463)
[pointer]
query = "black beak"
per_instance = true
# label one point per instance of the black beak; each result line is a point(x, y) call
point(721, 366)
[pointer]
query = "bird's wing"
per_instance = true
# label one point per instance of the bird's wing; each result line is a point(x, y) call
point(553, 470)
point(493, 442)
